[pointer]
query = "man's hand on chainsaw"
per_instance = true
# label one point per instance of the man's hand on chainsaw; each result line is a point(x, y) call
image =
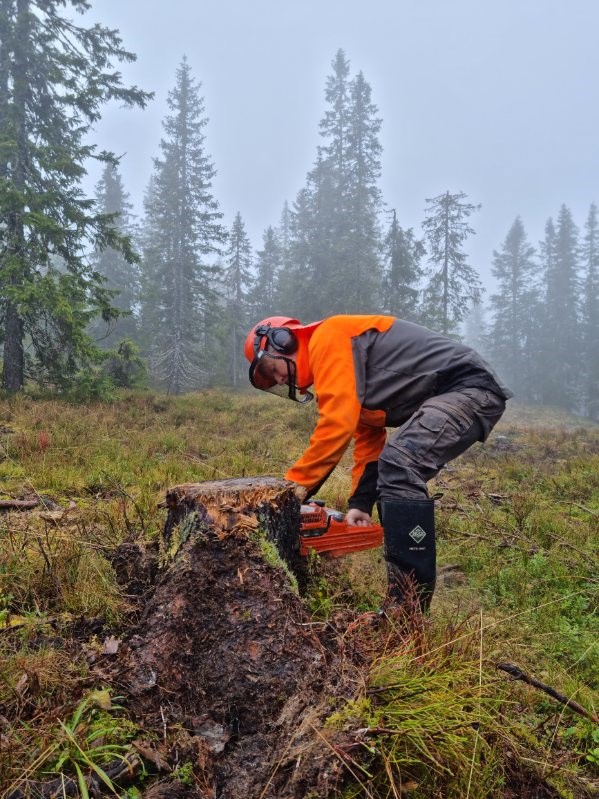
point(357, 518)
point(300, 492)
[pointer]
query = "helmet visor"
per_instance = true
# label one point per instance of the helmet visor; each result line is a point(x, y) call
point(276, 374)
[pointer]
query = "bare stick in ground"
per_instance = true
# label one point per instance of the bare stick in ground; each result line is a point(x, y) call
point(517, 673)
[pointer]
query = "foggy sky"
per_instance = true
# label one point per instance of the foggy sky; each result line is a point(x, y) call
point(497, 98)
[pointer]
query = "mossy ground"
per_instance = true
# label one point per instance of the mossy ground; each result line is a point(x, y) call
point(518, 518)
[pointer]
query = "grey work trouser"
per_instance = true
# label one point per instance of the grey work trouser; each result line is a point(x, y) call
point(440, 430)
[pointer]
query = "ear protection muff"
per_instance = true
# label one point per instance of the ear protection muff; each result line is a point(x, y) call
point(281, 339)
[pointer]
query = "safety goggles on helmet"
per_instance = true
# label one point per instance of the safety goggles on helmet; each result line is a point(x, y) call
point(270, 369)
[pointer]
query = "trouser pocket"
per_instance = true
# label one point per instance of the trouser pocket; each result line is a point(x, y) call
point(442, 428)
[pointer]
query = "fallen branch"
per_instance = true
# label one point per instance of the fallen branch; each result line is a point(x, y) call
point(477, 536)
point(587, 510)
point(567, 544)
point(18, 504)
point(518, 674)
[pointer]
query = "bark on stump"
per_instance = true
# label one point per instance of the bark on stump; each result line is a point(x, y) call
point(224, 648)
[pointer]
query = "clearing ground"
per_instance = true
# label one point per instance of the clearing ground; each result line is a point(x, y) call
point(263, 692)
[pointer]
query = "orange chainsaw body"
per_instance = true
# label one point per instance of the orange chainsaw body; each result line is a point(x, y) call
point(325, 531)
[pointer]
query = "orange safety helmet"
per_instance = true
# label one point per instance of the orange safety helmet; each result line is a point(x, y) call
point(275, 339)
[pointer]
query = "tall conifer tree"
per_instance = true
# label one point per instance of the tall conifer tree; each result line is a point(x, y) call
point(283, 234)
point(560, 379)
point(361, 272)
point(320, 219)
point(284, 237)
point(299, 289)
point(269, 264)
point(238, 284)
point(182, 236)
point(336, 238)
point(590, 314)
point(476, 329)
point(402, 273)
point(320, 227)
point(121, 277)
point(54, 77)
point(513, 306)
point(453, 284)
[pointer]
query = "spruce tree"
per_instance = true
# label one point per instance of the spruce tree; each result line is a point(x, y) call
point(237, 285)
point(513, 306)
point(402, 273)
point(283, 235)
point(360, 275)
point(320, 230)
point(336, 238)
point(269, 264)
point(181, 239)
point(453, 284)
point(590, 314)
point(121, 277)
point(321, 222)
point(300, 290)
point(334, 126)
point(476, 329)
point(54, 77)
point(560, 378)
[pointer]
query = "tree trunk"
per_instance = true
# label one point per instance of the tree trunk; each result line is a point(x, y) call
point(13, 375)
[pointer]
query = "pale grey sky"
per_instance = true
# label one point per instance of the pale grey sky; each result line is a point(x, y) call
point(498, 98)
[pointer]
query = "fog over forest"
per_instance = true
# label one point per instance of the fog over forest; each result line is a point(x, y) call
point(434, 161)
point(495, 99)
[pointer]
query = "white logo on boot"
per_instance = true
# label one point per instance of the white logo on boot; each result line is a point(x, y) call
point(417, 534)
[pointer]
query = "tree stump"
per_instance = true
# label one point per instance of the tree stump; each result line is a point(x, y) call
point(265, 502)
point(224, 651)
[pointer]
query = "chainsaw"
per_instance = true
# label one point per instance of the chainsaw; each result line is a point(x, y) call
point(325, 531)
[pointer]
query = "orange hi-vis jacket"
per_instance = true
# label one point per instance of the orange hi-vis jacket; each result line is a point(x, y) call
point(370, 372)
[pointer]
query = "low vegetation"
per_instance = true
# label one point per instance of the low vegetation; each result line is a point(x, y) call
point(441, 714)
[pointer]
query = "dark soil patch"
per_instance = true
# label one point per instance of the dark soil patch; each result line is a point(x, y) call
point(136, 569)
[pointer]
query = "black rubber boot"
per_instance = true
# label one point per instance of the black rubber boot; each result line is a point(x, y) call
point(410, 552)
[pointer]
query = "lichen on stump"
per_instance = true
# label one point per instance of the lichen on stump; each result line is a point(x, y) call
point(224, 649)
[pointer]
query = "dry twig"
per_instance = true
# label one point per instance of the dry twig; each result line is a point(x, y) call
point(517, 673)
